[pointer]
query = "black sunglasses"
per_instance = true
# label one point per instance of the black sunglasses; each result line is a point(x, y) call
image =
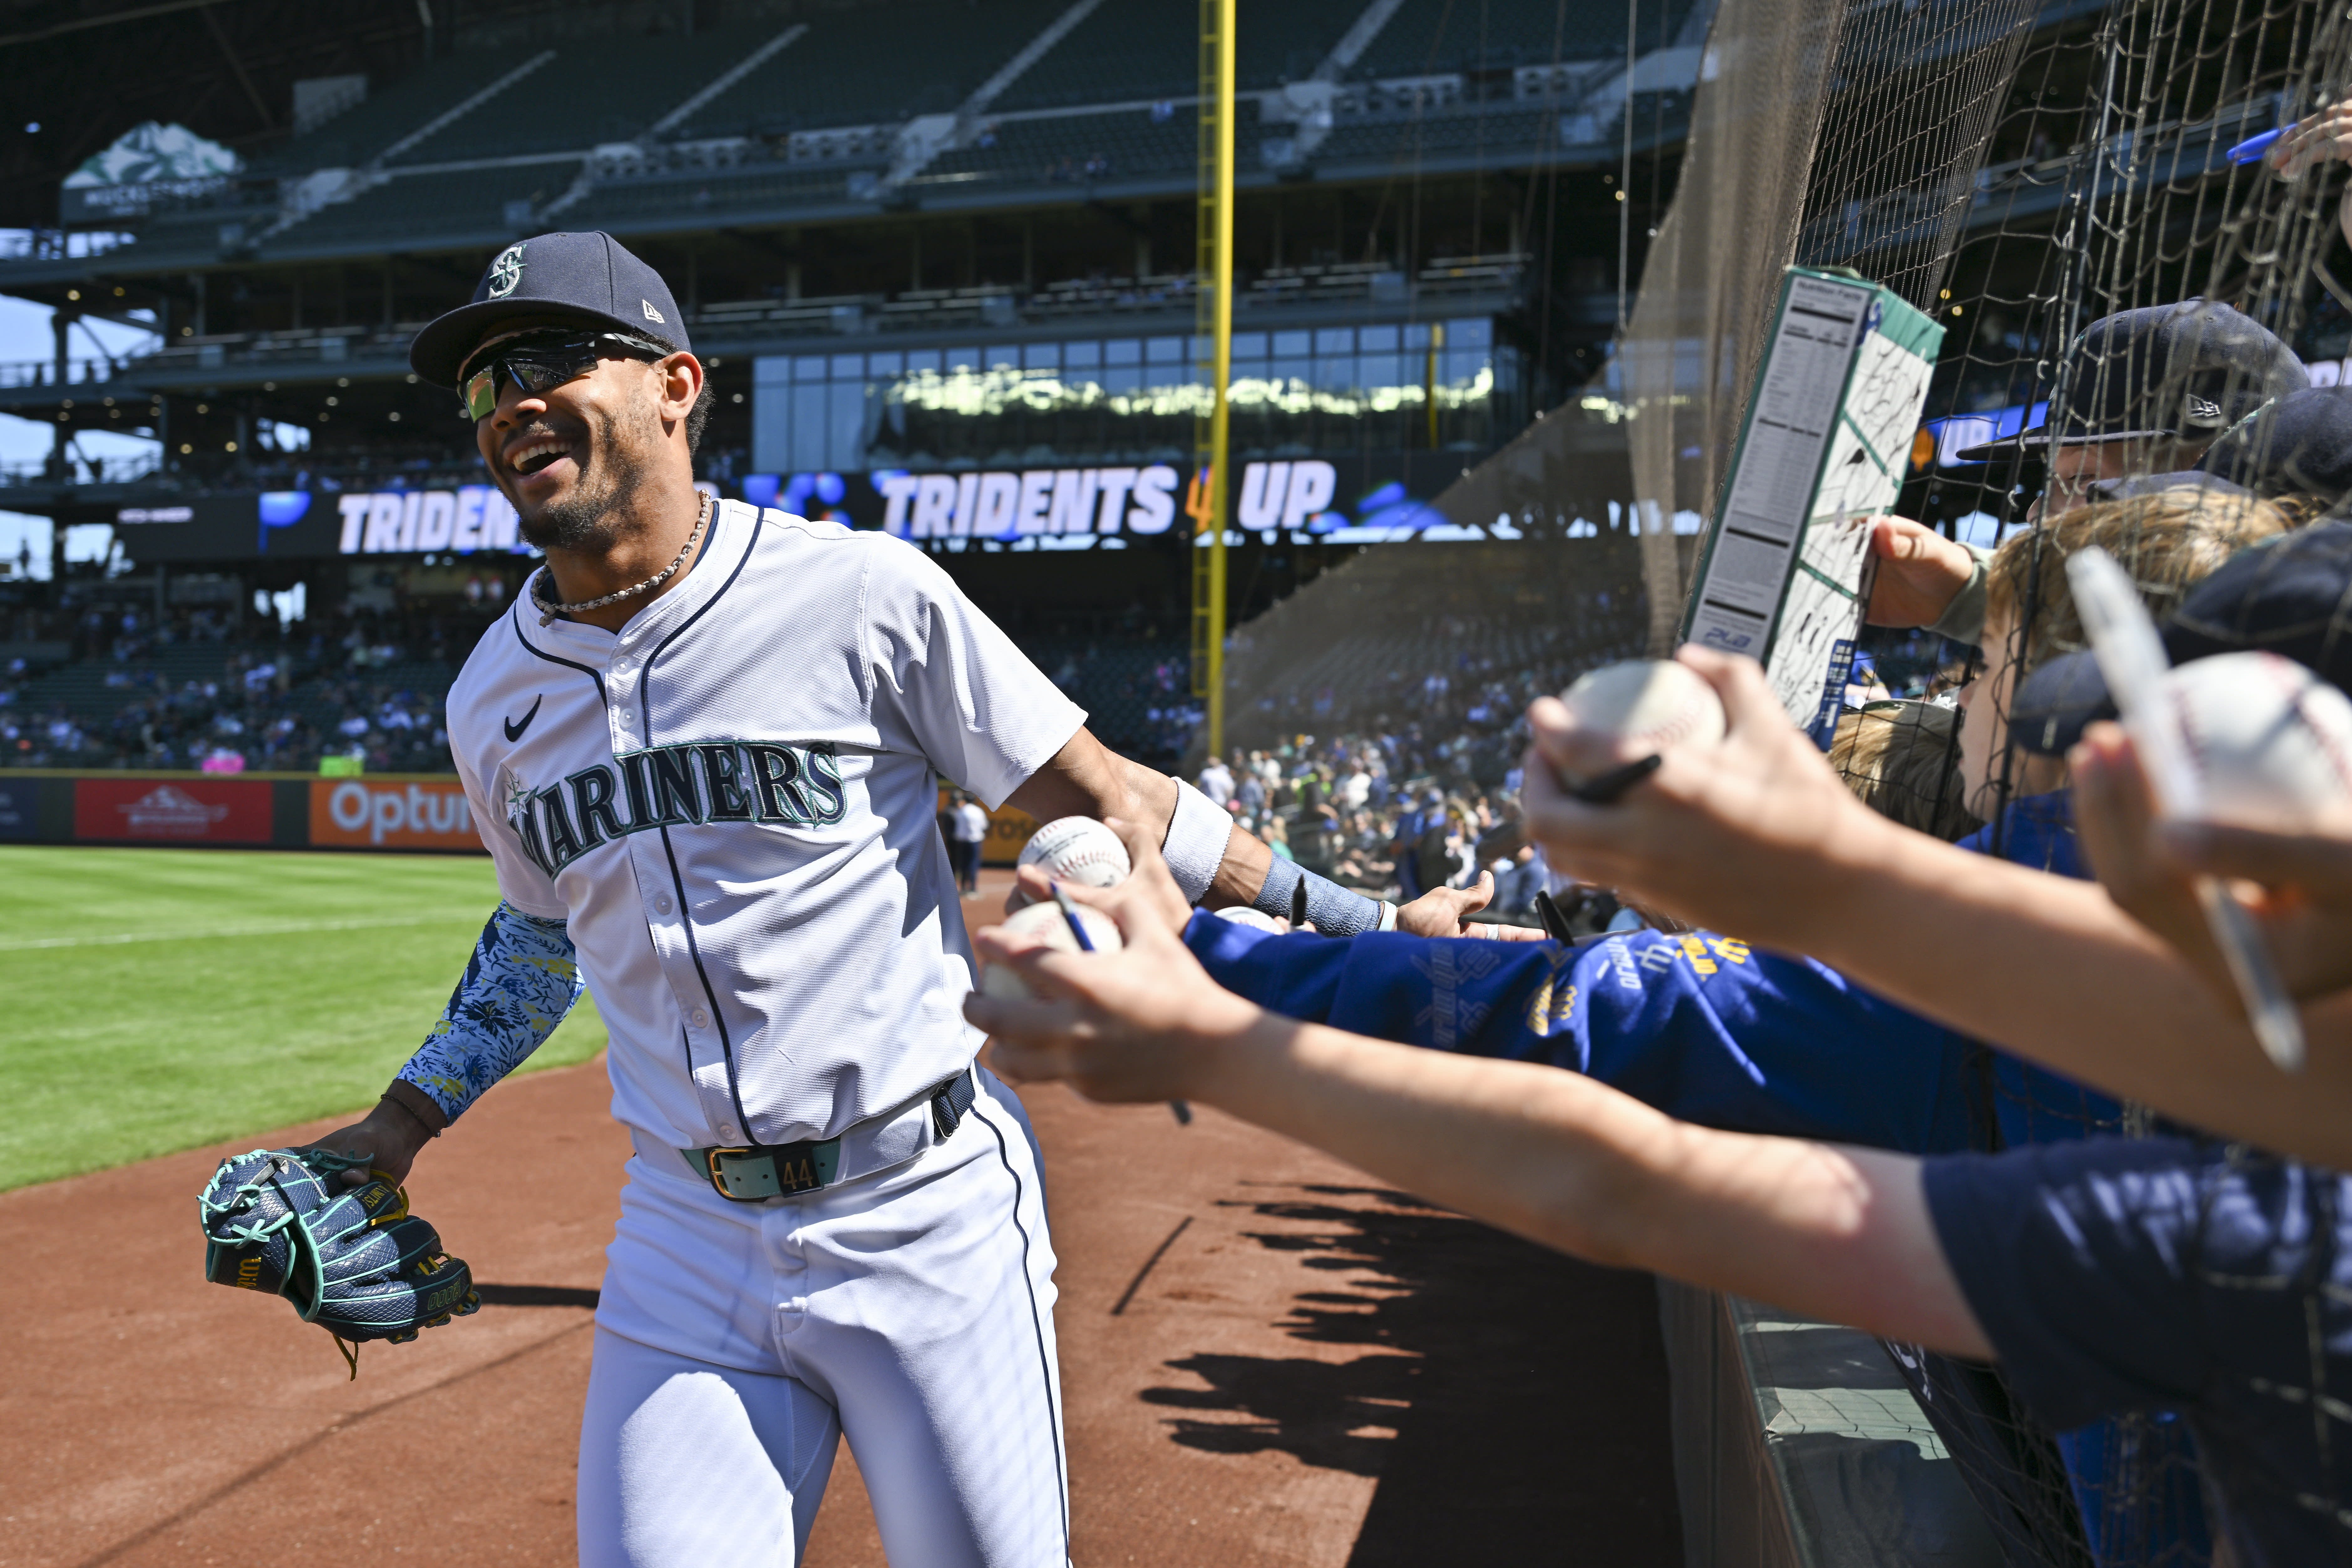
point(538, 363)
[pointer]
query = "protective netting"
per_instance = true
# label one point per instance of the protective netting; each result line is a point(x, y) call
point(2053, 182)
point(2106, 229)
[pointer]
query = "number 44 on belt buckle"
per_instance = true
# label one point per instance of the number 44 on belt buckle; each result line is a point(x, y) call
point(747, 1175)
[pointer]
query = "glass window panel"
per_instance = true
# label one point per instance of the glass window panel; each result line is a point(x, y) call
point(1335, 373)
point(963, 359)
point(845, 452)
point(807, 445)
point(1379, 340)
point(1123, 351)
point(1249, 345)
point(809, 367)
point(1335, 341)
point(885, 365)
point(850, 367)
point(1167, 350)
point(1042, 356)
point(1082, 356)
point(1416, 335)
point(1463, 364)
point(770, 369)
point(1386, 370)
point(1004, 357)
point(1293, 342)
point(1477, 333)
point(1285, 371)
point(921, 360)
point(771, 428)
point(1121, 380)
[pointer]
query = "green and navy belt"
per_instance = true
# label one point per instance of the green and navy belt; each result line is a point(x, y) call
point(754, 1172)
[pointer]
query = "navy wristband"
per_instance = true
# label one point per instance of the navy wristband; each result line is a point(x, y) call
point(1332, 908)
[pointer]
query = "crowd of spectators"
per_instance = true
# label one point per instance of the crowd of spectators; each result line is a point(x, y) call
point(208, 689)
point(2039, 1153)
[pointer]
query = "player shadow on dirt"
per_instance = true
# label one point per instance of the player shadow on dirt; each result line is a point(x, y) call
point(1508, 1398)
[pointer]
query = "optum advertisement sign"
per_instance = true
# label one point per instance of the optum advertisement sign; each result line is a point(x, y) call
point(391, 815)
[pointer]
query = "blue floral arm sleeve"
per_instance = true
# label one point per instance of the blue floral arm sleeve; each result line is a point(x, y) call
point(522, 980)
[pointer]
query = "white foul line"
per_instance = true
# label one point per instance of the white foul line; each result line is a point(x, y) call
point(279, 930)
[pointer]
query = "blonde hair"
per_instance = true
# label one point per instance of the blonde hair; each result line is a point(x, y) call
point(1902, 760)
point(2167, 541)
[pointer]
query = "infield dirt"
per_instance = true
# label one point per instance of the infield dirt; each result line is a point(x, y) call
point(1266, 1358)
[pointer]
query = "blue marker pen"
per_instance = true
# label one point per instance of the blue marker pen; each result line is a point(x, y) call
point(1078, 934)
point(2253, 147)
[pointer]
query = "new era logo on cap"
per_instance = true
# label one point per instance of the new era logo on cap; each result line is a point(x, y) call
point(584, 275)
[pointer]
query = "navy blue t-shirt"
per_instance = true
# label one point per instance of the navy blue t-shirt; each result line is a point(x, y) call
point(2120, 1275)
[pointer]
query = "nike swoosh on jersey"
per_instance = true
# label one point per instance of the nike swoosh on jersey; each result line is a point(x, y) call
point(516, 727)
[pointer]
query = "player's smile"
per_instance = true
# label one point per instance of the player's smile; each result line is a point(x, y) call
point(539, 461)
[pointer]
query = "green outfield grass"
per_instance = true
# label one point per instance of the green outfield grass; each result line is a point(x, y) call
point(153, 1000)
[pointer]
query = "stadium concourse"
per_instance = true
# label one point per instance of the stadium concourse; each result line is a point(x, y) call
point(1270, 1361)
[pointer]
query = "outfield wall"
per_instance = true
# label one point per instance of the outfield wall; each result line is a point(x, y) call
point(278, 811)
point(286, 811)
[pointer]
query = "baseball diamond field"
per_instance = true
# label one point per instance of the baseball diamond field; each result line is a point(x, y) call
point(1266, 1358)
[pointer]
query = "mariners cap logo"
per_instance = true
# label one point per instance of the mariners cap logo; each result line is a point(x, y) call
point(506, 272)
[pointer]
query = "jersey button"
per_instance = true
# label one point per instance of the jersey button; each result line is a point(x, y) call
point(701, 1019)
point(661, 905)
point(626, 717)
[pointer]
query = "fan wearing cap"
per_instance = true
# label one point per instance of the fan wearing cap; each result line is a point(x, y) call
point(704, 751)
point(2151, 390)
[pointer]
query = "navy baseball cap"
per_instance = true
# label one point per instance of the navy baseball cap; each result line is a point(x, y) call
point(2182, 371)
point(2290, 596)
point(2301, 444)
point(588, 277)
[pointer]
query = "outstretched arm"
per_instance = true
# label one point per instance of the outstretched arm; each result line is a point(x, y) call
point(519, 983)
point(1757, 837)
point(1217, 863)
point(1838, 1233)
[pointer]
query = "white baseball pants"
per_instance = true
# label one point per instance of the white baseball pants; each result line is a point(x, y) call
point(911, 1311)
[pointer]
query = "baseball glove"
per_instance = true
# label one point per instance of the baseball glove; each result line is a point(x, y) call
point(352, 1259)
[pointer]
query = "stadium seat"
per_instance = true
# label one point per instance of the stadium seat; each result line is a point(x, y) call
point(870, 66)
point(1130, 51)
point(464, 200)
point(1431, 38)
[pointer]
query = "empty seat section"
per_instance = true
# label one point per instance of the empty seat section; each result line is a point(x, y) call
point(1130, 50)
point(391, 112)
point(461, 202)
point(1126, 143)
point(596, 90)
point(631, 203)
point(1502, 133)
point(1429, 37)
point(874, 65)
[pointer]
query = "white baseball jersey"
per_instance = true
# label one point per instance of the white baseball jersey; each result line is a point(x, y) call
point(730, 800)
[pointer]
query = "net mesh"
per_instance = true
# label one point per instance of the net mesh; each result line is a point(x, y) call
point(2023, 172)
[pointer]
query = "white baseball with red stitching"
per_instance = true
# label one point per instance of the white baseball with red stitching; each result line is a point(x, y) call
point(1625, 712)
point(2272, 741)
point(1045, 924)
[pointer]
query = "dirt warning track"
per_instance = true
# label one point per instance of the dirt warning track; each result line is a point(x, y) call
point(1267, 1359)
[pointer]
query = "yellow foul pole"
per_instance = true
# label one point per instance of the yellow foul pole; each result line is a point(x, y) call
point(1214, 323)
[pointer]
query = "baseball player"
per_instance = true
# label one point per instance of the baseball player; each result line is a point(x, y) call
point(702, 747)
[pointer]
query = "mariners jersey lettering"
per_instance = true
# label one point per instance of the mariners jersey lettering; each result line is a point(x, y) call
point(732, 804)
point(676, 786)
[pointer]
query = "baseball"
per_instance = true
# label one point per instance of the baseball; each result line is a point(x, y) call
point(2272, 741)
point(1242, 915)
point(1074, 850)
point(1625, 712)
point(1045, 923)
